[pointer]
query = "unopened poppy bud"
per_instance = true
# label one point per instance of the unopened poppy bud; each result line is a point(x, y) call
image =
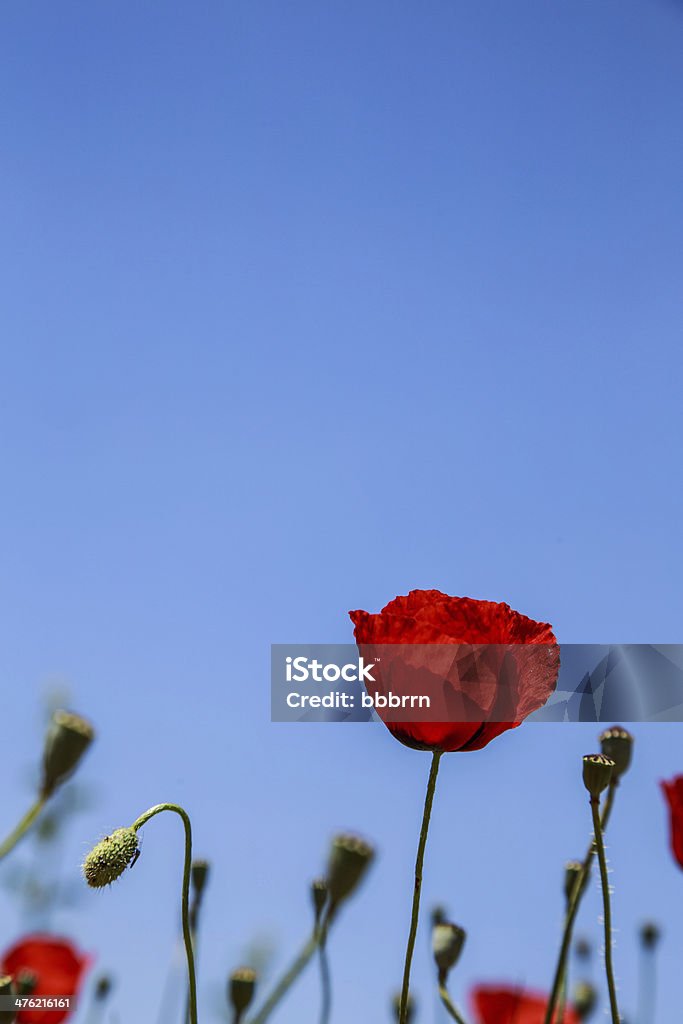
point(650, 935)
point(25, 982)
point(585, 998)
point(67, 739)
point(410, 1008)
point(319, 897)
point(6, 989)
point(597, 772)
point(350, 858)
point(447, 942)
point(241, 989)
point(109, 859)
point(573, 870)
point(199, 873)
point(103, 987)
point(617, 744)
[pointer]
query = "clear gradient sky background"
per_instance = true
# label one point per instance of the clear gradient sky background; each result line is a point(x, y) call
point(304, 305)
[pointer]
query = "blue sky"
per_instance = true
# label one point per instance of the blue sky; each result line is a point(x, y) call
point(305, 305)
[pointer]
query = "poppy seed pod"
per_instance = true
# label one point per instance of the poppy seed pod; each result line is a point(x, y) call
point(350, 857)
point(585, 998)
point(572, 873)
point(447, 942)
point(617, 744)
point(199, 873)
point(6, 989)
point(650, 935)
point(597, 773)
point(319, 897)
point(109, 859)
point(67, 739)
point(241, 989)
point(410, 1009)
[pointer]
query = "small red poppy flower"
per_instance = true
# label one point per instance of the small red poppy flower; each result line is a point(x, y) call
point(504, 1004)
point(673, 791)
point(58, 967)
point(484, 666)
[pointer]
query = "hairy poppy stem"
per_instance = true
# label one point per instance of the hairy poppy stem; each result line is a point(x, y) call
point(429, 800)
point(450, 1006)
point(319, 937)
point(570, 917)
point(22, 828)
point(185, 906)
point(607, 910)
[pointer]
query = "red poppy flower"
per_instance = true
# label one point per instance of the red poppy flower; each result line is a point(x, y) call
point(58, 967)
point(503, 667)
point(673, 791)
point(502, 1004)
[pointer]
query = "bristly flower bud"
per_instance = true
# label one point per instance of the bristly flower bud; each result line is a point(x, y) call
point(447, 942)
point(572, 873)
point(350, 858)
point(7, 989)
point(319, 897)
point(650, 935)
point(199, 874)
point(617, 744)
point(67, 739)
point(109, 859)
point(410, 1009)
point(241, 988)
point(585, 999)
point(597, 772)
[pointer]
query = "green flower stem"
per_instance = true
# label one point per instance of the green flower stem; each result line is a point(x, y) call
point(607, 910)
point(429, 799)
point(450, 1006)
point(22, 828)
point(187, 934)
point(325, 984)
point(319, 937)
point(573, 909)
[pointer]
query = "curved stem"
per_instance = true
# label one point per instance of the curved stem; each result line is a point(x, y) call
point(429, 799)
point(300, 962)
point(573, 909)
point(20, 830)
point(187, 934)
point(607, 910)
point(450, 1006)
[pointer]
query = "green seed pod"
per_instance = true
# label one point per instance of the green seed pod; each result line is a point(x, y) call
point(319, 897)
point(350, 857)
point(597, 772)
point(396, 1007)
point(585, 999)
point(241, 988)
point(67, 739)
point(650, 935)
point(617, 744)
point(572, 873)
point(447, 942)
point(199, 875)
point(109, 859)
point(7, 989)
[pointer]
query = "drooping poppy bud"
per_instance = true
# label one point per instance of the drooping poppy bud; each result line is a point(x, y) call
point(410, 1008)
point(199, 874)
point(350, 857)
point(597, 772)
point(617, 744)
point(447, 942)
point(7, 1016)
point(585, 999)
point(110, 857)
point(572, 873)
point(319, 897)
point(241, 988)
point(650, 935)
point(67, 739)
